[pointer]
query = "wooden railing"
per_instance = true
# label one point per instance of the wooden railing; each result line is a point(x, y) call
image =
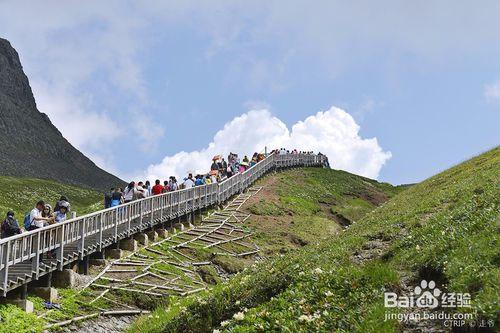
point(92, 232)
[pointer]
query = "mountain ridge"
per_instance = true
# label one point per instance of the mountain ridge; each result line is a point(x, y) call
point(30, 145)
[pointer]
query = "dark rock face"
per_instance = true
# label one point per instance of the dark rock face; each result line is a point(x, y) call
point(30, 146)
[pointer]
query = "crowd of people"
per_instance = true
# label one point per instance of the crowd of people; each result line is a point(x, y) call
point(40, 216)
point(220, 169)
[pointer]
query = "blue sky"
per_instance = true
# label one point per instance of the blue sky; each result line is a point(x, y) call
point(132, 84)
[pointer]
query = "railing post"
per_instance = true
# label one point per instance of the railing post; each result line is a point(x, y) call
point(162, 206)
point(82, 237)
point(129, 218)
point(6, 269)
point(141, 203)
point(36, 262)
point(60, 250)
point(151, 222)
point(115, 236)
point(99, 239)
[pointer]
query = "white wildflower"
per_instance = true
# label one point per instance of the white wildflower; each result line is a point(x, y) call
point(306, 318)
point(303, 318)
point(239, 316)
point(224, 323)
point(328, 293)
point(318, 271)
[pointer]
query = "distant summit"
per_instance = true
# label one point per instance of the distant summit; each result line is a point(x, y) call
point(30, 146)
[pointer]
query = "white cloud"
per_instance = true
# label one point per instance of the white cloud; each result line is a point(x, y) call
point(492, 91)
point(333, 132)
point(85, 129)
point(83, 66)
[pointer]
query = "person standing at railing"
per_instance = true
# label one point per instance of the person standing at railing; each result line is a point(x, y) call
point(117, 197)
point(189, 181)
point(62, 199)
point(10, 226)
point(47, 212)
point(107, 198)
point(223, 169)
point(199, 180)
point(172, 183)
point(157, 188)
point(140, 191)
point(147, 187)
point(36, 220)
point(214, 166)
point(60, 215)
point(129, 193)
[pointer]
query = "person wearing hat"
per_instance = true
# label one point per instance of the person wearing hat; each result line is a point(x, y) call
point(61, 200)
point(60, 215)
point(10, 226)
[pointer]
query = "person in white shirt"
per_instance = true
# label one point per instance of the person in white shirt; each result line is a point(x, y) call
point(36, 218)
point(129, 193)
point(189, 181)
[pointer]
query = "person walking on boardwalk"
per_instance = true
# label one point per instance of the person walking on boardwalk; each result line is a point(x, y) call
point(172, 184)
point(189, 181)
point(117, 197)
point(158, 188)
point(129, 193)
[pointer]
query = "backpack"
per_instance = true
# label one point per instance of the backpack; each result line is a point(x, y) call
point(27, 221)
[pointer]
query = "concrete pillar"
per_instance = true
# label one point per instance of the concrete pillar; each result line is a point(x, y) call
point(115, 253)
point(46, 293)
point(83, 266)
point(46, 280)
point(23, 291)
point(142, 238)
point(97, 259)
point(24, 304)
point(152, 235)
point(128, 244)
point(162, 233)
point(64, 279)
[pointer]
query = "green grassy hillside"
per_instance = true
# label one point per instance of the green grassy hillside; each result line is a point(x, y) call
point(21, 194)
point(445, 229)
point(305, 205)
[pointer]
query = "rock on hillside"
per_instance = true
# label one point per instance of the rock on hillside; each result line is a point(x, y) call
point(30, 146)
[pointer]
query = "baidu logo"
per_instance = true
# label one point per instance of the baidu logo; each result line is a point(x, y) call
point(426, 295)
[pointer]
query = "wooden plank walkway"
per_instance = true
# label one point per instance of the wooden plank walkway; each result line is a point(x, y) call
point(167, 267)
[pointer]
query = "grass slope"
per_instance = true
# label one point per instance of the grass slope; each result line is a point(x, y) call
point(445, 228)
point(21, 194)
point(306, 205)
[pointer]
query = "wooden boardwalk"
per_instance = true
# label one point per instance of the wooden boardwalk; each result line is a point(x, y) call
point(168, 267)
point(25, 257)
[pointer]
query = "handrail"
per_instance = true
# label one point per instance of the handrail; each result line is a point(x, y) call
point(121, 221)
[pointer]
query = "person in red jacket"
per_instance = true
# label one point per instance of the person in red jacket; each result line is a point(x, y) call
point(158, 188)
